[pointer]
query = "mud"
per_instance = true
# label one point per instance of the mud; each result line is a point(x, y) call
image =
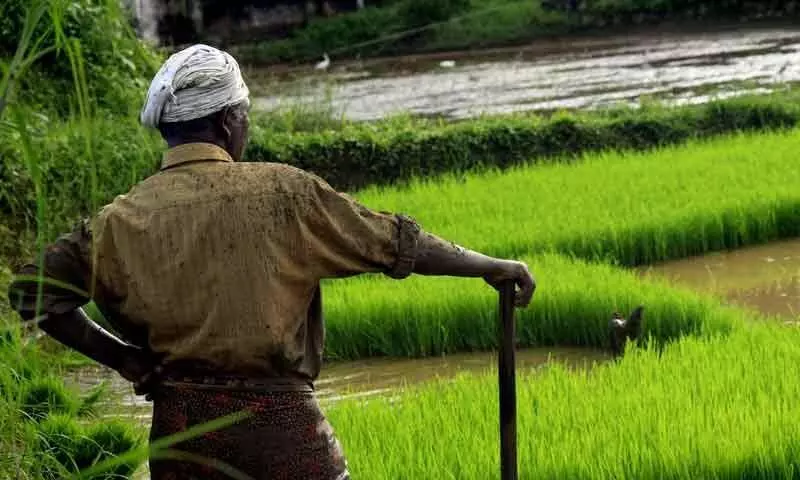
point(764, 278)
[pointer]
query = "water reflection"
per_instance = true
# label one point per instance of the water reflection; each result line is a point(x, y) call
point(679, 68)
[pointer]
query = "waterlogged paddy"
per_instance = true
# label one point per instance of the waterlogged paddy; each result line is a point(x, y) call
point(677, 67)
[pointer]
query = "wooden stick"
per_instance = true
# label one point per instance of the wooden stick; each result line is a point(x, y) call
point(507, 383)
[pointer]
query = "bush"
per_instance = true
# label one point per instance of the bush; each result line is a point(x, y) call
point(82, 165)
point(118, 66)
point(418, 13)
point(365, 154)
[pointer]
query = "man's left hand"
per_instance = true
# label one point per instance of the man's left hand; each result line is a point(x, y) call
point(139, 368)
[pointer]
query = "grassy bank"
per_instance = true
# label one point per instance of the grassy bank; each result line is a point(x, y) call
point(395, 151)
point(64, 63)
point(415, 26)
point(714, 407)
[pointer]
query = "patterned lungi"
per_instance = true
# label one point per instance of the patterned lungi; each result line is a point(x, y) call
point(285, 437)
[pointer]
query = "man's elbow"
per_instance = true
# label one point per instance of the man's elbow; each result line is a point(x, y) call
point(23, 291)
point(407, 248)
point(32, 294)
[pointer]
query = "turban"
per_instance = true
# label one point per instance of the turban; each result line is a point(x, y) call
point(193, 83)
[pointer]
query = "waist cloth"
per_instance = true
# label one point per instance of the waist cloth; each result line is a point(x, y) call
point(284, 435)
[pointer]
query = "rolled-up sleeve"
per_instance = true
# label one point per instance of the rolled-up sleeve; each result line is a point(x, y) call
point(61, 282)
point(342, 237)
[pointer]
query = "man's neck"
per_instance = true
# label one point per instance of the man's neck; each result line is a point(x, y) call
point(174, 142)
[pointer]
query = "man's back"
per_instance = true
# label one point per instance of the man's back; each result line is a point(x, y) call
point(212, 257)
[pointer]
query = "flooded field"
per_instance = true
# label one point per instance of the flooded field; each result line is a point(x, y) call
point(679, 68)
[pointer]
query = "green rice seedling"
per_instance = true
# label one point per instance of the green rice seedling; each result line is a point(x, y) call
point(104, 441)
point(423, 316)
point(45, 396)
point(71, 447)
point(720, 407)
point(628, 208)
point(58, 436)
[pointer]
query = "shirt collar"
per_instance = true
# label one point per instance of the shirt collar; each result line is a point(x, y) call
point(194, 152)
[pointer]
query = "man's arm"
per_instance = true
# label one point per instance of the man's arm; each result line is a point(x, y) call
point(53, 297)
point(436, 256)
point(346, 238)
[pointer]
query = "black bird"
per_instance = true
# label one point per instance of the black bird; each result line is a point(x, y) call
point(620, 331)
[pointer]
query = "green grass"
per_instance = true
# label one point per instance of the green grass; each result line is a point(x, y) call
point(49, 430)
point(424, 316)
point(714, 407)
point(631, 208)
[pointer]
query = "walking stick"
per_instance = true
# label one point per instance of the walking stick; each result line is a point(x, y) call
point(508, 394)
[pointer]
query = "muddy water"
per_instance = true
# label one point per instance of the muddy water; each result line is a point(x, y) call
point(379, 376)
point(763, 278)
point(677, 67)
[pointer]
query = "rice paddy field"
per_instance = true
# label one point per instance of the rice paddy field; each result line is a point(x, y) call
point(633, 208)
point(712, 392)
point(626, 208)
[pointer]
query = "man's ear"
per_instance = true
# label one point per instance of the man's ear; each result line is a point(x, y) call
point(221, 122)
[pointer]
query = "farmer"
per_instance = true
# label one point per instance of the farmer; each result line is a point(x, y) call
point(209, 274)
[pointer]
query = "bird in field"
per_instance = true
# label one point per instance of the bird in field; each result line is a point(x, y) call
point(324, 64)
point(621, 331)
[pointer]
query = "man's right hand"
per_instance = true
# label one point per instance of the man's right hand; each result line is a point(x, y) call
point(519, 274)
point(437, 256)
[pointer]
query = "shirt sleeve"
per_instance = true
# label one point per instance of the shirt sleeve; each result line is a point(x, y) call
point(342, 237)
point(62, 281)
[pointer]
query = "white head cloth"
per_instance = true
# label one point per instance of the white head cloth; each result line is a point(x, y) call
point(195, 82)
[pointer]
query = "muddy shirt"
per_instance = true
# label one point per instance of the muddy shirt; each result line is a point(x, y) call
point(220, 262)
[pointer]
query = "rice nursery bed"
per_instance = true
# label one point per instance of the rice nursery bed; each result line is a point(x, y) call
point(629, 208)
point(369, 317)
point(719, 407)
